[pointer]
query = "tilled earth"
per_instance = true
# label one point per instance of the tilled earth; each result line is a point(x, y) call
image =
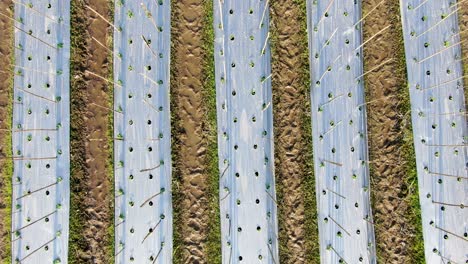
point(5, 105)
point(395, 230)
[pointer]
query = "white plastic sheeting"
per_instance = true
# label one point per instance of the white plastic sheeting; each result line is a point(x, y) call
point(433, 57)
point(245, 132)
point(142, 132)
point(339, 131)
point(41, 118)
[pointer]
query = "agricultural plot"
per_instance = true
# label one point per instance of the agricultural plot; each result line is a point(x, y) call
point(339, 132)
point(433, 57)
point(143, 210)
point(41, 132)
point(245, 140)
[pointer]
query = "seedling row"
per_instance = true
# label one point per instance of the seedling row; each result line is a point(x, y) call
point(143, 210)
point(248, 206)
point(41, 120)
point(435, 76)
point(245, 139)
point(339, 130)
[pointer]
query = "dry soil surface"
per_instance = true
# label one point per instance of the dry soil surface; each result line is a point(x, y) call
point(463, 17)
point(6, 44)
point(191, 200)
point(390, 191)
point(291, 110)
point(92, 182)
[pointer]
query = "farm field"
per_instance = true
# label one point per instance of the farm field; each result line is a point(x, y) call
point(222, 131)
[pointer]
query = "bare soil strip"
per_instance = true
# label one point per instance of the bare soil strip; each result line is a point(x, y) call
point(6, 170)
point(393, 176)
point(463, 18)
point(195, 194)
point(298, 232)
point(91, 222)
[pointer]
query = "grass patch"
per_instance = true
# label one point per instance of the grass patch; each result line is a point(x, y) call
point(417, 246)
point(213, 240)
point(78, 245)
point(213, 245)
point(310, 203)
point(177, 236)
point(406, 146)
point(311, 237)
point(464, 46)
point(6, 170)
point(110, 251)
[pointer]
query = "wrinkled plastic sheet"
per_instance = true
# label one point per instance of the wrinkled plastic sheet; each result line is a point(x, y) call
point(41, 124)
point(433, 53)
point(143, 206)
point(245, 132)
point(339, 131)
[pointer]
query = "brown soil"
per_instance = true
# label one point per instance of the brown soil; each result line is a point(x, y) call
point(191, 178)
point(92, 184)
point(463, 18)
point(6, 76)
point(395, 229)
point(293, 148)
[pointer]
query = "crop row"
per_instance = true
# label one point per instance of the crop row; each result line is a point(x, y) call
point(248, 206)
point(339, 132)
point(41, 119)
point(245, 140)
point(142, 136)
point(435, 75)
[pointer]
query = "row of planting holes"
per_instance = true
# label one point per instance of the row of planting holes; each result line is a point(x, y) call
point(331, 97)
point(443, 45)
point(148, 68)
point(29, 137)
point(253, 120)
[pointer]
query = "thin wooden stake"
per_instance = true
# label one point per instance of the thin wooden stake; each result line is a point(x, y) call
point(443, 83)
point(438, 23)
point(38, 190)
point(340, 226)
point(271, 196)
point(326, 10)
point(449, 204)
point(102, 17)
point(107, 108)
point(336, 252)
point(375, 68)
point(149, 47)
point(102, 78)
point(152, 230)
point(102, 45)
point(447, 175)
point(157, 255)
point(149, 199)
point(372, 10)
point(441, 51)
point(36, 11)
point(33, 94)
point(34, 251)
point(30, 224)
point(375, 35)
point(453, 234)
point(332, 162)
point(150, 169)
point(263, 15)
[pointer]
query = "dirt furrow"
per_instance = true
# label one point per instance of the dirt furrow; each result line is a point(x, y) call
point(194, 135)
point(393, 177)
point(91, 214)
point(6, 84)
point(463, 18)
point(298, 232)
